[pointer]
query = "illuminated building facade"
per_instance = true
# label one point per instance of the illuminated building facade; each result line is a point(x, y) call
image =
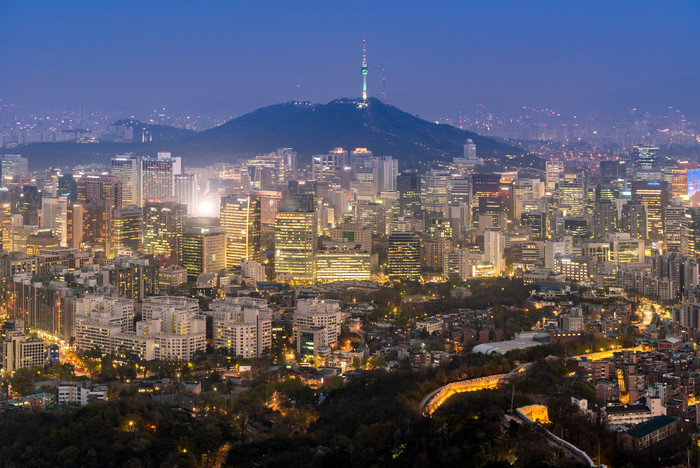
point(203, 250)
point(127, 229)
point(127, 168)
point(295, 246)
point(654, 195)
point(241, 216)
point(164, 224)
point(157, 178)
point(404, 256)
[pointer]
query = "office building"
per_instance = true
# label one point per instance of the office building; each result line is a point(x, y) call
point(127, 168)
point(19, 352)
point(12, 165)
point(295, 246)
point(654, 195)
point(408, 186)
point(104, 188)
point(404, 256)
point(203, 250)
point(185, 190)
point(54, 216)
point(572, 194)
point(127, 229)
point(164, 224)
point(157, 178)
point(240, 216)
point(553, 171)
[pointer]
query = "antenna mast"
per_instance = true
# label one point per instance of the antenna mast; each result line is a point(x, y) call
point(364, 69)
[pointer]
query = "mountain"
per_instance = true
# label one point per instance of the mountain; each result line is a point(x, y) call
point(154, 133)
point(306, 127)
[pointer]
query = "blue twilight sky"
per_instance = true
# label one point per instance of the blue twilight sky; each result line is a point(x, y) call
point(439, 57)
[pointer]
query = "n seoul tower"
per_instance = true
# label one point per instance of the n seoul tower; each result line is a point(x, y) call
point(364, 69)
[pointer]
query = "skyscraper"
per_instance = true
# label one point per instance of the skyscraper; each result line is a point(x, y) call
point(633, 220)
point(654, 195)
point(604, 219)
point(107, 188)
point(54, 216)
point(408, 185)
point(127, 229)
point(157, 178)
point(572, 195)
point(295, 246)
point(647, 164)
point(185, 189)
point(164, 224)
point(493, 249)
point(203, 250)
point(404, 256)
point(127, 168)
point(240, 217)
point(12, 165)
point(554, 168)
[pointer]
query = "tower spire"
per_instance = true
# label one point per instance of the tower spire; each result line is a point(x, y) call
point(364, 69)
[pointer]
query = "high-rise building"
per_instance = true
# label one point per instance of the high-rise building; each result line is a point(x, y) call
point(243, 325)
point(675, 225)
point(615, 169)
point(408, 186)
point(67, 186)
point(679, 179)
point(19, 352)
point(554, 169)
point(572, 194)
point(157, 177)
point(203, 250)
point(647, 163)
point(604, 219)
point(107, 188)
point(654, 195)
point(240, 217)
point(127, 168)
point(633, 220)
point(88, 225)
point(295, 246)
point(54, 216)
point(537, 222)
point(164, 224)
point(493, 249)
point(185, 189)
point(404, 256)
point(317, 324)
point(434, 187)
point(6, 225)
point(12, 165)
point(127, 229)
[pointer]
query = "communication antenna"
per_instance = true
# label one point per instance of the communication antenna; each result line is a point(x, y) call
point(383, 86)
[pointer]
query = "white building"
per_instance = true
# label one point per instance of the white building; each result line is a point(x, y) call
point(19, 352)
point(493, 249)
point(54, 216)
point(320, 318)
point(172, 329)
point(77, 392)
point(243, 325)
